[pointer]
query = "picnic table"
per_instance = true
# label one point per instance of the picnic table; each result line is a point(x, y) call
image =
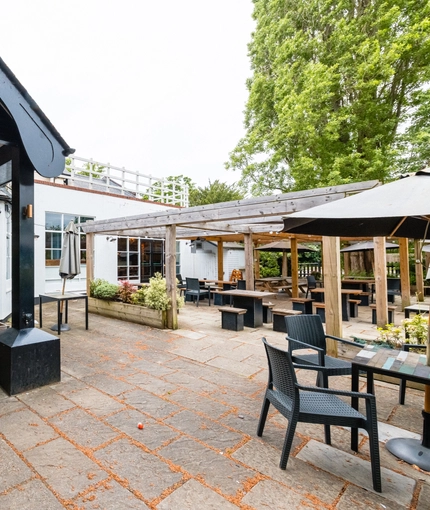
point(252, 301)
point(276, 283)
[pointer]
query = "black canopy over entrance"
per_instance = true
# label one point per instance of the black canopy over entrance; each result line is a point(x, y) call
point(28, 142)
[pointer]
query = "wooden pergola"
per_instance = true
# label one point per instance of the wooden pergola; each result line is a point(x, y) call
point(251, 221)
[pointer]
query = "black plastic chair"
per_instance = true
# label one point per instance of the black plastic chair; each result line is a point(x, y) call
point(181, 285)
point(311, 404)
point(306, 332)
point(312, 283)
point(195, 291)
point(241, 284)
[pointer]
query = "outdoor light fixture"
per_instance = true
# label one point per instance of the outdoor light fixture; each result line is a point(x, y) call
point(27, 212)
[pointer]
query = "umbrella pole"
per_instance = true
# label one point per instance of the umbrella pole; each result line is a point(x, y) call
point(62, 292)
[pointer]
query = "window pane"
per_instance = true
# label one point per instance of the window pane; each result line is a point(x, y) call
point(134, 271)
point(122, 258)
point(122, 272)
point(67, 218)
point(132, 244)
point(122, 243)
point(53, 221)
point(133, 259)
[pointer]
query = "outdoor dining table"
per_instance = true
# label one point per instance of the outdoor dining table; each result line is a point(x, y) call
point(252, 301)
point(346, 294)
point(404, 365)
point(275, 283)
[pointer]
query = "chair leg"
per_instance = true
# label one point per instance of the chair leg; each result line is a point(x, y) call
point(375, 459)
point(263, 416)
point(327, 434)
point(289, 436)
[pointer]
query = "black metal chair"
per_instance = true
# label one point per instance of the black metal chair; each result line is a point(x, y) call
point(194, 291)
point(312, 283)
point(311, 404)
point(306, 332)
point(241, 284)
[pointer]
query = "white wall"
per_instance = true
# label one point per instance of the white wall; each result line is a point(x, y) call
point(5, 285)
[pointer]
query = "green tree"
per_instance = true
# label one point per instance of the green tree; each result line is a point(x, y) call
point(215, 193)
point(339, 93)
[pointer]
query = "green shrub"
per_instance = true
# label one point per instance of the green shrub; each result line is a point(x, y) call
point(138, 298)
point(107, 291)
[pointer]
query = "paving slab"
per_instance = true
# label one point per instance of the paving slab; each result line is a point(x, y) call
point(216, 469)
point(30, 496)
point(144, 472)
point(110, 495)
point(13, 470)
point(67, 470)
point(24, 429)
point(395, 487)
point(193, 495)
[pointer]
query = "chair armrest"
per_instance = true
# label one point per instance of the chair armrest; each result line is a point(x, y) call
point(349, 342)
point(328, 391)
point(303, 345)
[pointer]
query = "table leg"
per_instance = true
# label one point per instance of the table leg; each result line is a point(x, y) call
point(345, 311)
point(40, 311)
point(59, 316)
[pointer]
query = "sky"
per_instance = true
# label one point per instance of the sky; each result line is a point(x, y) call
point(157, 87)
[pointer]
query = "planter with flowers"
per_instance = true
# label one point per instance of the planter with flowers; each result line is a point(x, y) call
point(413, 331)
point(125, 301)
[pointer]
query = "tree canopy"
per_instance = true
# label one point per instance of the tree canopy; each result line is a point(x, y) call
point(339, 93)
point(215, 193)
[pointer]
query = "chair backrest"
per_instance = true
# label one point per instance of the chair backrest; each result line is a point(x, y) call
point(281, 371)
point(241, 284)
point(193, 284)
point(306, 328)
point(180, 280)
point(312, 283)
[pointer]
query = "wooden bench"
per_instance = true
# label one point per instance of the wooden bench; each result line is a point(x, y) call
point(267, 313)
point(304, 305)
point(353, 307)
point(320, 310)
point(232, 318)
point(390, 313)
point(279, 320)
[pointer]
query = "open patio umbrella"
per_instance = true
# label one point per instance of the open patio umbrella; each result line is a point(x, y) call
point(70, 262)
point(398, 209)
point(367, 245)
point(283, 246)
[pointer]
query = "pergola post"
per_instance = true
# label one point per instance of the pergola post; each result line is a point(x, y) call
point(381, 281)
point(294, 268)
point(172, 313)
point(404, 272)
point(249, 261)
point(220, 260)
point(333, 303)
point(419, 270)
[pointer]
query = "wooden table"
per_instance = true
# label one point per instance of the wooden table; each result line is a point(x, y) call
point(275, 283)
point(252, 301)
point(367, 285)
point(318, 294)
point(407, 366)
point(59, 297)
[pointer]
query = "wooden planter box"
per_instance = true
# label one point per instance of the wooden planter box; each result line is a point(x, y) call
point(126, 312)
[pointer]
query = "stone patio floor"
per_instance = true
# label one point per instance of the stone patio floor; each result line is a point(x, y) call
point(198, 393)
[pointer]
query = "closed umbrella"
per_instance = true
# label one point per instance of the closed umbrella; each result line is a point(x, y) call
point(70, 262)
point(397, 209)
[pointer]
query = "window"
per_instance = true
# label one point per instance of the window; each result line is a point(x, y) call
point(55, 223)
point(139, 259)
